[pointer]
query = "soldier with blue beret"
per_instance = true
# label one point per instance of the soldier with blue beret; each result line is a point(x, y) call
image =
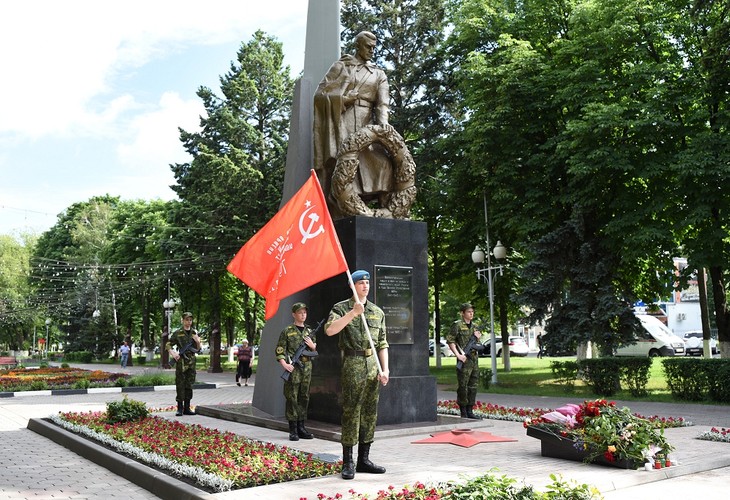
point(360, 378)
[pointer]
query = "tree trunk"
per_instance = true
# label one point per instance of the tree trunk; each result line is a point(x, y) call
point(722, 315)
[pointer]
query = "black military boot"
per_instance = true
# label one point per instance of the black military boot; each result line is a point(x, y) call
point(348, 467)
point(462, 411)
point(179, 409)
point(302, 432)
point(363, 461)
point(186, 408)
point(293, 435)
point(470, 413)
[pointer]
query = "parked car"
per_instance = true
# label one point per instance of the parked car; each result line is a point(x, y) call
point(695, 345)
point(445, 351)
point(517, 346)
point(654, 339)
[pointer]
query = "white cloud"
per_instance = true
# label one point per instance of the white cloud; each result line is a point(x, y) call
point(66, 54)
point(155, 144)
point(91, 94)
point(155, 136)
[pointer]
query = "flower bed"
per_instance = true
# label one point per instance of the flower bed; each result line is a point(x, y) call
point(599, 432)
point(220, 461)
point(715, 434)
point(494, 412)
point(215, 460)
point(488, 485)
point(28, 379)
point(517, 414)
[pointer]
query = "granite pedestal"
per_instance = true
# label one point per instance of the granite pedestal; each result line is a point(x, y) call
point(368, 243)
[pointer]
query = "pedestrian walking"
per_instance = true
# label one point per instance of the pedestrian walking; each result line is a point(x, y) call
point(245, 358)
point(124, 354)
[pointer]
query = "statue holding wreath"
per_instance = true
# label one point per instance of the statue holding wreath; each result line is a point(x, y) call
point(362, 162)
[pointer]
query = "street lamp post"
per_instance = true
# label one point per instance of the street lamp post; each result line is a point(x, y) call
point(169, 306)
point(48, 323)
point(477, 256)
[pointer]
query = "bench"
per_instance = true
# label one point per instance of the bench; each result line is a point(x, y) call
point(8, 362)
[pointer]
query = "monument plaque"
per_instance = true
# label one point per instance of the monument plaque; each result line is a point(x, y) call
point(394, 295)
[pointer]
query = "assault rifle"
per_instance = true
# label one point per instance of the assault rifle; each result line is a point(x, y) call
point(302, 350)
point(187, 348)
point(471, 346)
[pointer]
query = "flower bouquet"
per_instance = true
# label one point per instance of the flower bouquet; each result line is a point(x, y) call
point(598, 432)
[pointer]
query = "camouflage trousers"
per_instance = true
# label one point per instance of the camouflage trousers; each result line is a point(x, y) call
point(360, 392)
point(184, 380)
point(468, 379)
point(296, 392)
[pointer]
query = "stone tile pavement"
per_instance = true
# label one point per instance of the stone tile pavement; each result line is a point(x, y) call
point(36, 467)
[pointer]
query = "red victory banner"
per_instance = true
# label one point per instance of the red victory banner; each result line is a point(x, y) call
point(297, 248)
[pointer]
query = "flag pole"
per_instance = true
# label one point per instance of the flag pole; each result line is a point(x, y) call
point(364, 322)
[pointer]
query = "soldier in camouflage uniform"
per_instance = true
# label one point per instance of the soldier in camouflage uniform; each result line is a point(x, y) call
point(296, 388)
point(360, 376)
point(185, 364)
point(468, 377)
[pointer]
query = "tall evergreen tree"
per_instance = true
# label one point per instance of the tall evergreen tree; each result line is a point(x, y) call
point(233, 184)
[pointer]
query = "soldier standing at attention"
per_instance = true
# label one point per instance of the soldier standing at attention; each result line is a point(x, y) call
point(185, 337)
point(360, 377)
point(296, 388)
point(468, 377)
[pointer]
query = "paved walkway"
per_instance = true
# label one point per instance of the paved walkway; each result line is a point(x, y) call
point(35, 467)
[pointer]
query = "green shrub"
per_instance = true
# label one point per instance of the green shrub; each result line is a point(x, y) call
point(634, 374)
point(82, 383)
point(149, 379)
point(489, 486)
point(79, 356)
point(718, 377)
point(121, 382)
point(485, 377)
point(686, 378)
point(126, 410)
point(601, 374)
point(560, 489)
point(39, 385)
point(64, 365)
point(566, 372)
point(141, 360)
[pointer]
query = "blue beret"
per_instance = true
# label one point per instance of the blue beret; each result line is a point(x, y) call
point(360, 275)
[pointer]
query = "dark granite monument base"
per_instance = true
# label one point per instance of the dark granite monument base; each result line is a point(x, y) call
point(367, 243)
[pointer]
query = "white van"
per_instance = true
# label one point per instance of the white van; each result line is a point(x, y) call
point(655, 339)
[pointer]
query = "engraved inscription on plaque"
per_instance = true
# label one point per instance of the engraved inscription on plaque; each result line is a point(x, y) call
point(394, 295)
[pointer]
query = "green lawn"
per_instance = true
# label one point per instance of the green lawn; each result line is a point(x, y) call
point(531, 376)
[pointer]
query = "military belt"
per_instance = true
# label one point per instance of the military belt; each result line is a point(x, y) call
point(353, 352)
point(363, 102)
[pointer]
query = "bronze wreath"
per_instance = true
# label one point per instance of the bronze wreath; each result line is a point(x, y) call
point(399, 201)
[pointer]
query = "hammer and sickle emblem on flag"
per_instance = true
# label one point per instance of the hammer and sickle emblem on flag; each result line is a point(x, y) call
point(307, 234)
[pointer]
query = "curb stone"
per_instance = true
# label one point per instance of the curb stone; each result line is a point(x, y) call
point(95, 390)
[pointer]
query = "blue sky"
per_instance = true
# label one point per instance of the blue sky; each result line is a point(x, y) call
point(92, 93)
